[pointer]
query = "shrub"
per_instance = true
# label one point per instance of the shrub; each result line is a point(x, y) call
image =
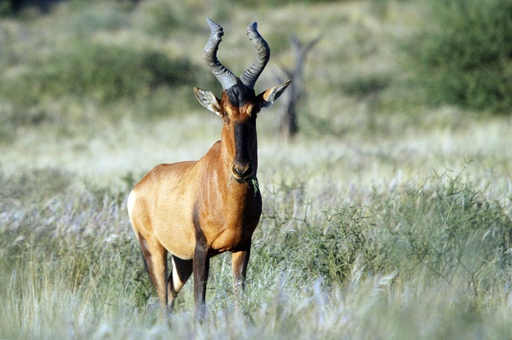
point(442, 231)
point(446, 230)
point(318, 250)
point(463, 54)
point(254, 3)
point(100, 72)
point(164, 18)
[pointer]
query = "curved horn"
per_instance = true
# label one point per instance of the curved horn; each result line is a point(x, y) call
point(225, 77)
point(250, 75)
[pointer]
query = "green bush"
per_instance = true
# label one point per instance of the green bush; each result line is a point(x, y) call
point(443, 231)
point(447, 230)
point(164, 18)
point(463, 54)
point(319, 251)
point(100, 72)
point(255, 3)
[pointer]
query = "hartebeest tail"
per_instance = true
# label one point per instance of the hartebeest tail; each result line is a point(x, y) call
point(198, 209)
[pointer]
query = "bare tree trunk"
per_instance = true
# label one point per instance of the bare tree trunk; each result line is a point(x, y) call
point(289, 127)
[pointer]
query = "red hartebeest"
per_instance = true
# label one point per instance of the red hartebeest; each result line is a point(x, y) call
point(198, 209)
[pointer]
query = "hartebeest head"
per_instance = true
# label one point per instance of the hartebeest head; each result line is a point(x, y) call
point(239, 105)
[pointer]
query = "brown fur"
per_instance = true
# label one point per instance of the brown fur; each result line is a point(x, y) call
point(198, 209)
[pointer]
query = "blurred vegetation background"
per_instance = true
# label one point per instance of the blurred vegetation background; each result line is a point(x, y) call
point(388, 216)
point(141, 58)
point(462, 54)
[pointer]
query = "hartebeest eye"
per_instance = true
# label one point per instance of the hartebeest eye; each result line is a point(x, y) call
point(225, 117)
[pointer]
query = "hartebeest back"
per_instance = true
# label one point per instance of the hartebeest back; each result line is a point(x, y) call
point(198, 209)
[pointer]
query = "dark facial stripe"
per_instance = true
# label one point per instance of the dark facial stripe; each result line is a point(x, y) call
point(241, 142)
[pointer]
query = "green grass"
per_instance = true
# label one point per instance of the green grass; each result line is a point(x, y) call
point(385, 218)
point(425, 260)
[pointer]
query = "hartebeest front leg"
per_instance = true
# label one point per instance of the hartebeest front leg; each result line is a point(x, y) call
point(239, 263)
point(201, 270)
point(155, 259)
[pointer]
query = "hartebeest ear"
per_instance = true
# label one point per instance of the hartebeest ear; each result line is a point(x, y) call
point(208, 100)
point(267, 98)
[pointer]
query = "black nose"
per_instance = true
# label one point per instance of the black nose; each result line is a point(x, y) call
point(242, 171)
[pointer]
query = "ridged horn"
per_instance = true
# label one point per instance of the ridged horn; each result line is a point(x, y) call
point(225, 77)
point(251, 75)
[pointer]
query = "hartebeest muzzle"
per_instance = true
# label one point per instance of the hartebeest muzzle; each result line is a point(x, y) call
point(242, 171)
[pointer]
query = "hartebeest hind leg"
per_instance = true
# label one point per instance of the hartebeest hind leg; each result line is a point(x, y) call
point(156, 264)
point(155, 258)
